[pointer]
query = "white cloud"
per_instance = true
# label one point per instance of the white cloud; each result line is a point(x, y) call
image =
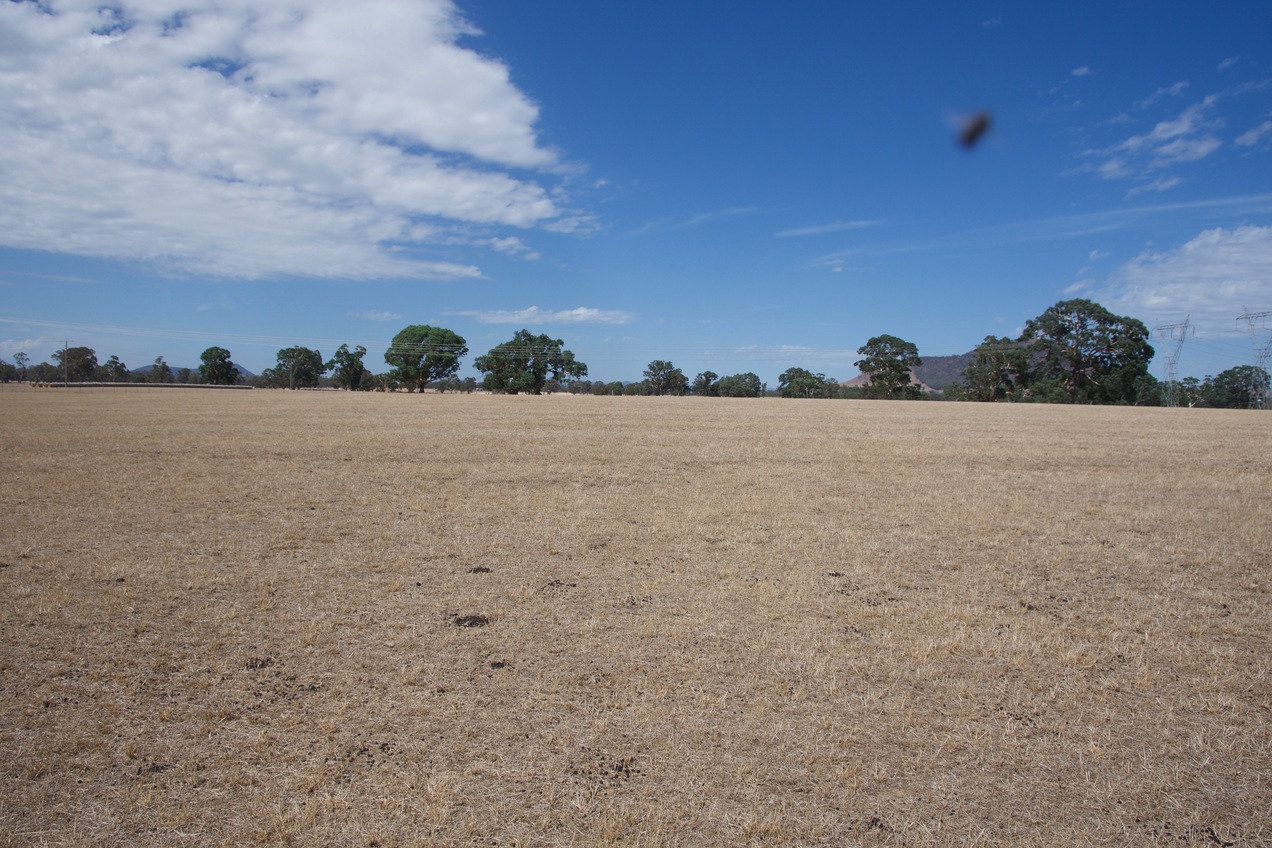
point(8, 347)
point(1212, 278)
point(1184, 138)
point(228, 137)
point(1083, 71)
point(822, 229)
point(373, 315)
point(708, 217)
point(535, 315)
point(1256, 135)
point(1075, 289)
point(513, 246)
point(1183, 150)
point(1175, 90)
point(1163, 184)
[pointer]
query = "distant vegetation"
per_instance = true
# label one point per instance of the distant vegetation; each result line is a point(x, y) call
point(1075, 352)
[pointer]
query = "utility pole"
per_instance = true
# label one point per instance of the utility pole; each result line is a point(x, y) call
point(1177, 333)
point(1256, 322)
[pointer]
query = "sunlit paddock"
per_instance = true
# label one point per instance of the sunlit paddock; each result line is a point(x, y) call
point(367, 619)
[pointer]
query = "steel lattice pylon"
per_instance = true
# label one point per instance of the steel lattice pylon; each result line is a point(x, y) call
point(1257, 325)
point(1177, 333)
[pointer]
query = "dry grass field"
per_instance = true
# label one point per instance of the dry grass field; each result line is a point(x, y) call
point(274, 618)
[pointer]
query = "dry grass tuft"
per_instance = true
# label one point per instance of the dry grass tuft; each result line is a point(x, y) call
point(316, 618)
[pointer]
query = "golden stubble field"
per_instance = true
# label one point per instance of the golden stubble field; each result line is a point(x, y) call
point(269, 618)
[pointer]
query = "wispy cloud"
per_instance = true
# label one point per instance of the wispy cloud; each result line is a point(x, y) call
point(1083, 71)
point(823, 229)
point(535, 315)
point(372, 315)
point(1211, 278)
point(1188, 137)
point(1175, 90)
point(1159, 185)
point(993, 22)
point(696, 220)
point(1066, 226)
point(301, 137)
point(98, 331)
point(716, 215)
point(781, 356)
point(1077, 288)
point(1253, 137)
point(57, 278)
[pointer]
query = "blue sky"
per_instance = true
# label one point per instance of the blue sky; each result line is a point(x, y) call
point(740, 187)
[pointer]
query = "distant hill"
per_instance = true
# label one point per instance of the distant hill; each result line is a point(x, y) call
point(936, 374)
point(940, 372)
point(146, 369)
point(864, 380)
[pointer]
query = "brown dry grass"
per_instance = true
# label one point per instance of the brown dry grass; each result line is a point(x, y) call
point(231, 618)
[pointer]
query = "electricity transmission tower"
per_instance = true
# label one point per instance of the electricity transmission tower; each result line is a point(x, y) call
point(1257, 324)
point(1177, 333)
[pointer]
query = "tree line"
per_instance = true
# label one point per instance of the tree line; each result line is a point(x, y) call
point(1075, 352)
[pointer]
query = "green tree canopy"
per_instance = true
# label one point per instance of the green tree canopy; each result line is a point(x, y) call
point(299, 368)
point(161, 372)
point(115, 371)
point(889, 362)
point(217, 368)
point(348, 367)
point(705, 384)
point(741, 385)
point(76, 363)
point(1082, 353)
point(802, 383)
point(997, 369)
point(523, 364)
point(421, 354)
point(663, 378)
point(1242, 387)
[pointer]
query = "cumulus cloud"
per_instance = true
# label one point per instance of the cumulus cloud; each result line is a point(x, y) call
point(1211, 278)
point(513, 246)
point(9, 347)
point(535, 315)
point(233, 138)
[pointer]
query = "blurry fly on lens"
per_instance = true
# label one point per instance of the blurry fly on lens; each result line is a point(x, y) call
point(973, 129)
